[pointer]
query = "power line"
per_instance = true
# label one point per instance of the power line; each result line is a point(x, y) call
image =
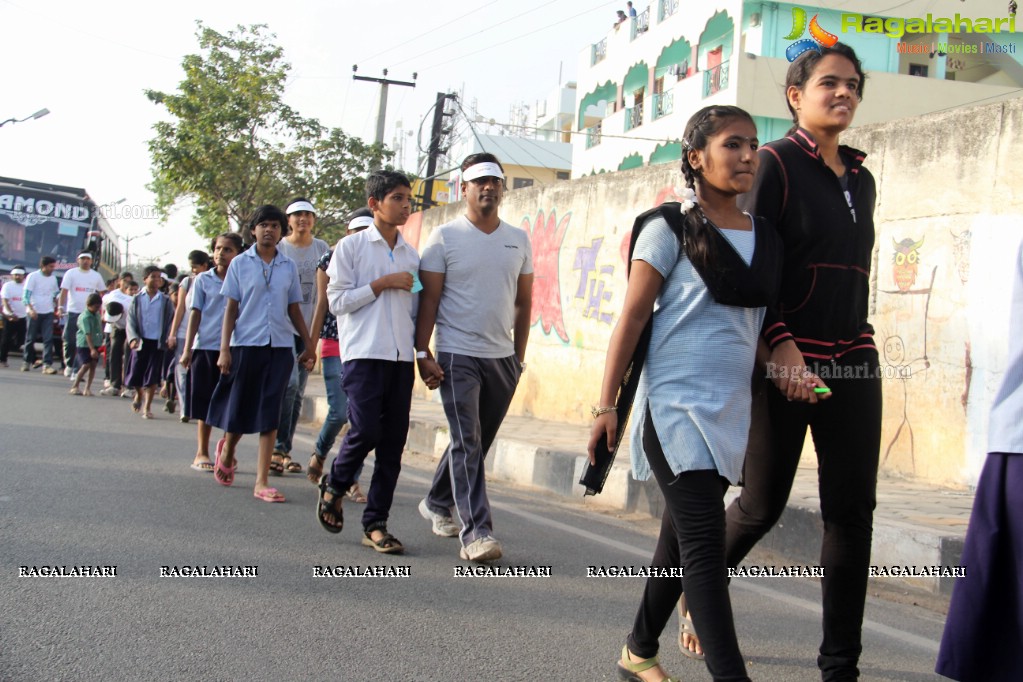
point(429, 32)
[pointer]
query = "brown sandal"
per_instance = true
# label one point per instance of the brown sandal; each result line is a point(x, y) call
point(355, 494)
point(315, 468)
point(291, 466)
point(276, 464)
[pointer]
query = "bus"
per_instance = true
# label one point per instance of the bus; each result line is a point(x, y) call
point(41, 219)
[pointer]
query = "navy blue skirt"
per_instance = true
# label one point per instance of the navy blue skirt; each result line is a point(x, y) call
point(248, 400)
point(145, 365)
point(203, 375)
point(988, 603)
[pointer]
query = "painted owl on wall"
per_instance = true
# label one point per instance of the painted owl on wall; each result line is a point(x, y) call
point(906, 260)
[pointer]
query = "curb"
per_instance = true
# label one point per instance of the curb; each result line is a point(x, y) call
point(796, 536)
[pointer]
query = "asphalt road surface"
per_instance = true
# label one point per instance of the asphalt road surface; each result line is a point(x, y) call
point(85, 482)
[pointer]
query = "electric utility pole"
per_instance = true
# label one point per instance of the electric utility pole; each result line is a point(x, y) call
point(382, 111)
point(437, 132)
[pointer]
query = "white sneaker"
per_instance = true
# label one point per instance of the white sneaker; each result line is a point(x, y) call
point(67, 372)
point(481, 549)
point(110, 390)
point(443, 526)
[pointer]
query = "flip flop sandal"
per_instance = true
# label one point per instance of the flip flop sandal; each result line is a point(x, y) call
point(685, 627)
point(224, 475)
point(388, 544)
point(136, 406)
point(277, 465)
point(315, 468)
point(148, 415)
point(291, 466)
point(333, 507)
point(75, 391)
point(355, 495)
point(269, 495)
point(202, 466)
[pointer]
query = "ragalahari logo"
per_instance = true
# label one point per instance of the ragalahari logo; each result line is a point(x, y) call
point(818, 36)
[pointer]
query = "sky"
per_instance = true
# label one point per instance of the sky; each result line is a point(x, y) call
point(89, 64)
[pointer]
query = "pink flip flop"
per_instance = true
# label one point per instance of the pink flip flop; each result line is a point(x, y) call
point(223, 474)
point(269, 495)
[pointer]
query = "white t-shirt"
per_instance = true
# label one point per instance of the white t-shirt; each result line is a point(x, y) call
point(43, 290)
point(79, 284)
point(12, 292)
point(125, 300)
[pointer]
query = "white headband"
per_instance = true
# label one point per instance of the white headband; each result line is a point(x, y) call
point(85, 254)
point(487, 169)
point(361, 221)
point(18, 271)
point(300, 206)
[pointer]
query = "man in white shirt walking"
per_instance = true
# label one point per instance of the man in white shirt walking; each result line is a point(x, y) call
point(40, 291)
point(13, 307)
point(75, 288)
point(477, 274)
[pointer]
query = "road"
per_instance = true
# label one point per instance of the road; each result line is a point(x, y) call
point(87, 482)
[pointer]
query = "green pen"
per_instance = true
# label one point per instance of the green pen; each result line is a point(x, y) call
point(822, 389)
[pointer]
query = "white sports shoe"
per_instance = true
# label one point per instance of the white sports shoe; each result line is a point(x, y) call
point(443, 526)
point(481, 549)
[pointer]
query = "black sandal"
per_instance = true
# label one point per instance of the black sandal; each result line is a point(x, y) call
point(333, 507)
point(385, 545)
point(277, 465)
point(290, 465)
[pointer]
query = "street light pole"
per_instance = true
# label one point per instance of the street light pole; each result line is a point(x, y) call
point(127, 244)
point(38, 114)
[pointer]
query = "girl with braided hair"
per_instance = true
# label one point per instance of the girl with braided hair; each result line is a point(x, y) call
point(702, 274)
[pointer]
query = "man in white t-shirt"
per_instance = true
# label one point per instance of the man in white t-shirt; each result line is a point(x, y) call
point(477, 275)
point(40, 291)
point(12, 306)
point(75, 288)
point(301, 247)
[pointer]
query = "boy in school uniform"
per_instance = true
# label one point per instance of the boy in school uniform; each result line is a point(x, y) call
point(88, 339)
point(149, 320)
point(372, 292)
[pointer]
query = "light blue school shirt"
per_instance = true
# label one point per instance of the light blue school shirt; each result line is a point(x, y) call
point(696, 379)
point(207, 300)
point(263, 291)
point(151, 310)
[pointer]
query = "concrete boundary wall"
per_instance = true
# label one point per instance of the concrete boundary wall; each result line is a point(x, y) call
point(949, 219)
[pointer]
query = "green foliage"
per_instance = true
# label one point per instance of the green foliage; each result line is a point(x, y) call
point(232, 144)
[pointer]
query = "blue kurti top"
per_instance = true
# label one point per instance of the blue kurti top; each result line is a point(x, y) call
point(696, 379)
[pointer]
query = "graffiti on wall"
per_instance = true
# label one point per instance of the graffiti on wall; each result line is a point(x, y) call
point(594, 281)
point(546, 234)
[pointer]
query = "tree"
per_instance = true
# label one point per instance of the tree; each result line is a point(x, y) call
point(232, 144)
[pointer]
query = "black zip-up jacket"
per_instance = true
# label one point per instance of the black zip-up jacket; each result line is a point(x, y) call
point(828, 244)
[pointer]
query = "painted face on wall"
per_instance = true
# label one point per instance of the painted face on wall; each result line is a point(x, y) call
point(894, 351)
point(906, 262)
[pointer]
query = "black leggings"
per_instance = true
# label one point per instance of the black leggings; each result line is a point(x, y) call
point(692, 536)
point(846, 433)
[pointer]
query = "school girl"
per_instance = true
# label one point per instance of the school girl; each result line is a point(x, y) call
point(257, 348)
point(701, 276)
point(149, 319)
point(820, 198)
point(201, 344)
point(198, 262)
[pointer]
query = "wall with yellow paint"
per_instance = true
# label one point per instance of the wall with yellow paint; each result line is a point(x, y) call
point(949, 216)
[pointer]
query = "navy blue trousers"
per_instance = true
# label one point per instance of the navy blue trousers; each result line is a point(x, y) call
point(379, 400)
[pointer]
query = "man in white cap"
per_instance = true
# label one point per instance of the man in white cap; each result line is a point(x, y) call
point(477, 275)
point(41, 289)
point(75, 288)
point(12, 305)
point(301, 247)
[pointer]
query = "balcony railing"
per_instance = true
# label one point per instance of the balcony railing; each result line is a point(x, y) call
point(593, 136)
point(664, 104)
point(599, 52)
point(666, 8)
point(634, 116)
point(641, 24)
point(715, 80)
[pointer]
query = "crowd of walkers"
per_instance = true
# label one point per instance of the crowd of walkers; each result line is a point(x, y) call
point(766, 260)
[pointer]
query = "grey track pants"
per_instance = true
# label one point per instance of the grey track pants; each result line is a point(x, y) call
point(476, 393)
